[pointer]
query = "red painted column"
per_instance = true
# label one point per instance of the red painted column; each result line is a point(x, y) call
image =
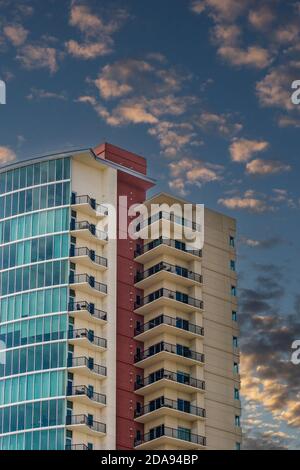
point(135, 189)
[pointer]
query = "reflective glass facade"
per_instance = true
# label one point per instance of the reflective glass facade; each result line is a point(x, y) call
point(34, 277)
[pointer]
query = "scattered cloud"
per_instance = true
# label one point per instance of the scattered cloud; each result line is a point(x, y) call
point(16, 34)
point(189, 171)
point(222, 123)
point(266, 167)
point(97, 32)
point(262, 17)
point(253, 56)
point(241, 150)
point(35, 56)
point(6, 155)
point(249, 202)
point(40, 94)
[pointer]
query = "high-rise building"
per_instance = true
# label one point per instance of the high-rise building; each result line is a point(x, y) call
point(112, 342)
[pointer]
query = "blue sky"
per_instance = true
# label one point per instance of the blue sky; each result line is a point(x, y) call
point(201, 89)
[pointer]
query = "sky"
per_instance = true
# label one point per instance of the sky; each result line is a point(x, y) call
point(202, 89)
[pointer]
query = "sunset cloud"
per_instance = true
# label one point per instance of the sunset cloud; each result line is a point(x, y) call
point(241, 150)
point(266, 167)
point(246, 202)
point(16, 34)
point(34, 57)
point(6, 155)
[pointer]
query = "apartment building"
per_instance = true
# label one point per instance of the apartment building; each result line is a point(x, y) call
point(112, 342)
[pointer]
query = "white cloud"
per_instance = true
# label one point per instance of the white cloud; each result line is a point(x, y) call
point(16, 34)
point(266, 167)
point(33, 57)
point(241, 150)
point(6, 155)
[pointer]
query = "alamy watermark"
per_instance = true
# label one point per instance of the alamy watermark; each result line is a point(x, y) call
point(295, 359)
point(295, 98)
point(2, 92)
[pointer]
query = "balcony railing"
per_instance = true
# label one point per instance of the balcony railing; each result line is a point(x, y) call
point(169, 375)
point(76, 447)
point(141, 250)
point(179, 350)
point(83, 251)
point(166, 320)
point(99, 208)
point(84, 333)
point(178, 296)
point(84, 225)
point(74, 420)
point(80, 390)
point(88, 363)
point(86, 279)
point(76, 306)
point(178, 270)
point(162, 431)
point(172, 218)
point(164, 402)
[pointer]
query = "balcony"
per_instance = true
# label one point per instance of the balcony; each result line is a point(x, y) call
point(84, 423)
point(165, 378)
point(87, 285)
point(86, 396)
point(163, 435)
point(164, 323)
point(167, 218)
point(162, 246)
point(160, 351)
point(164, 271)
point(165, 297)
point(88, 258)
point(85, 367)
point(76, 447)
point(165, 407)
point(88, 232)
point(89, 206)
point(87, 311)
point(86, 339)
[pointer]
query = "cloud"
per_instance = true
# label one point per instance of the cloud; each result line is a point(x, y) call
point(225, 10)
point(266, 167)
point(274, 90)
point(222, 123)
point(174, 137)
point(288, 121)
point(269, 379)
point(268, 243)
point(34, 57)
point(261, 18)
point(6, 155)
point(241, 150)
point(87, 51)
point(189, 171)
point(253, 56)
point(97, 32)
point(40, 94)
point(16, 34)
point(246, 202)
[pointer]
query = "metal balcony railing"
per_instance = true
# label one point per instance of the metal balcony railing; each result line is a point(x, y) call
point(141, 250)
point(170, 348)
point(85, 278)
point(162, 431)
point(86, 391)
point(170, 217)
point(85, 225)
point(76, 447)
point(76, 306)
point(84, 333)
point(83, 251)
point(177, 405)
point(166, 320)
point(178, 270)
point(178, 296)
point(88, 363)
point(169, 375)
point(74, 420)
point(99, 208)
